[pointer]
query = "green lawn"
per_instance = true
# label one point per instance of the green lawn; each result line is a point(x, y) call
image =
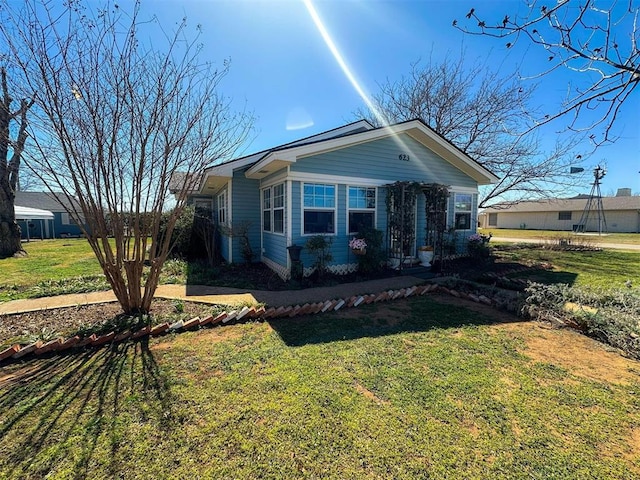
point(69, 266)
point(623, 238)
point(605, 268)
point(50, 260)
point(440, 393)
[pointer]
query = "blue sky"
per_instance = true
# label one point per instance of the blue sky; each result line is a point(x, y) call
point(283, 71)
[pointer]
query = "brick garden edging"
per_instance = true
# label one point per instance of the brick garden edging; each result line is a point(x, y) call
point(60, 345)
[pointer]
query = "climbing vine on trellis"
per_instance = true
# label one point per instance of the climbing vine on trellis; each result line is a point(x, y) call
point(436, 198)
point(401, 215)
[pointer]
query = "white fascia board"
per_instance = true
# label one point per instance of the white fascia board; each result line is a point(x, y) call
point(281, 177)
point(359, 181)
point(338, 179)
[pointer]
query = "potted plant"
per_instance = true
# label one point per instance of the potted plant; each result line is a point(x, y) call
point(358, 246)
point(294, 252)
point(425, 255)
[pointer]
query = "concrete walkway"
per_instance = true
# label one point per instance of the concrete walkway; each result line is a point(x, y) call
point(220, 295)
point(592, 240)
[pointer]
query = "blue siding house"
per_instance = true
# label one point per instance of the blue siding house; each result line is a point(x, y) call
point(327, 183)
point(60, 226)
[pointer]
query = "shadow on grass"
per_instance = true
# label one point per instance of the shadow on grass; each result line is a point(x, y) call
point(413, 315)
point(548, 277)
point(60, 411)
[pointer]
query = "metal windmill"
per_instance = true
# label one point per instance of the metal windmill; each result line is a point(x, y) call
point(594, 207)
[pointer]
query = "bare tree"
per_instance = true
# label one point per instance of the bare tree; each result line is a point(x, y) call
point(483, 114)
point(10, 157)
point(113, 122)
point(597, 39)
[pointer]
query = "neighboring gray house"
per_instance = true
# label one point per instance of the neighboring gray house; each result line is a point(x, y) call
point(59, 227)
point(622, 214)
point(326, 183)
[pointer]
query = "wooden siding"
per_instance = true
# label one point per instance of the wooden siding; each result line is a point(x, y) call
point(245, 199)
point(275, 248)
point(379, 160)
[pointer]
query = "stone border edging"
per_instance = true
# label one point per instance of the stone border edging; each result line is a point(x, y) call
point(60, 345)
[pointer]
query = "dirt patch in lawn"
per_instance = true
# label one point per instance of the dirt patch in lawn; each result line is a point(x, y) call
point(566, 348)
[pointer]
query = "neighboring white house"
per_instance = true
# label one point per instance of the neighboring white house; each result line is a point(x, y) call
point(622, 214)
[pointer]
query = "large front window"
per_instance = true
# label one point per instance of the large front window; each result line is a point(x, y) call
point(273, 208)
point(319, 204)
point(362, 208)
point(462, 214)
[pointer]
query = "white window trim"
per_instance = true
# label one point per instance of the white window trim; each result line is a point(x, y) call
point(373, 210)
point(269, 209)
point(319, 209)
point(272, 208)
point(455, 210)
point(223, 205)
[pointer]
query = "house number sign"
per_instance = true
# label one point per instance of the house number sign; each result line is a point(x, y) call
point(404, 157)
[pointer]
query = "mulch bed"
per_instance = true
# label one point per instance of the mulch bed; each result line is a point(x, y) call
point(49, 324)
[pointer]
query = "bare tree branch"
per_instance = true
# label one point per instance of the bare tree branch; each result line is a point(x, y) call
point(113, 121)
point(484, 114)
point(597, 39)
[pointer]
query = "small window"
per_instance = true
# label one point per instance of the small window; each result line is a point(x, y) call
point(273, 200)
point(493, 219)
point(361, 208)
point(319, 202)
point(316, 221)
point(67, 219)
point(462, 213)
point(463, 221)
point(278, 208)
point(564, 215)
point(266, 209)
point(222, 208)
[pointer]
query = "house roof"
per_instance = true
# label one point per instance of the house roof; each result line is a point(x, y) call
point(263, 163)
point(42, 200)
point(216, 175)
point(567, 204)
point(26, 213)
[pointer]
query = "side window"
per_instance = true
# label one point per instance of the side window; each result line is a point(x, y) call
point(462, 213)
point(273, 201)
point(222, 208)
point(266, 210)
point(278, 208)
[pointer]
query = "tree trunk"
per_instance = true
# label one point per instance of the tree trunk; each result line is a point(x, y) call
point(10, 243)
